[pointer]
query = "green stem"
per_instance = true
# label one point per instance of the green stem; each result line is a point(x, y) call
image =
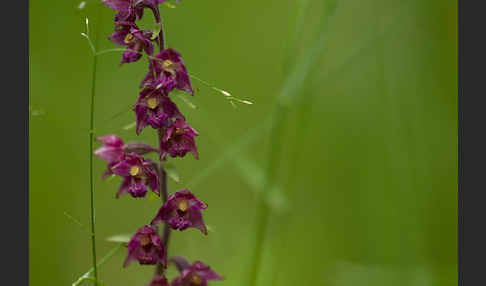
point(263, 211)
point(164, 193)
point(91, 141)
point(285, 99)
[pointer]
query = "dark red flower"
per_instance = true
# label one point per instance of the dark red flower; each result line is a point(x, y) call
point(178, 140)
point(146, 247)
point(168, 69)
point(182, 210)
point(127, 34)
point(159, 280)
point(130, 10)
point(197, 274)
point(155, 108)
point(136, 173)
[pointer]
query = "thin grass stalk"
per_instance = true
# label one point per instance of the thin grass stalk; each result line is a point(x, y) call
point(263, 209)
point(291, 184)
point(91, 141)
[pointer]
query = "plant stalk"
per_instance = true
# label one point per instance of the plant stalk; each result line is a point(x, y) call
point(158, 20)
point(164, 193)
point(263, 211)
point(91, 142)
point(289, 91)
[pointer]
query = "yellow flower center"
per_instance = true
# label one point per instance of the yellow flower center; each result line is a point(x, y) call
point(145, 240)
point(134, 170)
point(152, 102)
point(195, 280)
point(128, 38)
point(183, 205)
point(169, 67)
point(167, 64)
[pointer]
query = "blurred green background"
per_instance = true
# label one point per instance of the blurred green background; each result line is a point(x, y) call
point(365, 183)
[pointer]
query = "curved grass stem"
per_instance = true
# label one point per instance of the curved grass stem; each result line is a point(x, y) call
point(91, 141)
point(285, 99)
point(263, 209)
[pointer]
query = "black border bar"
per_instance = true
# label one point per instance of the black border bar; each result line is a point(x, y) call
point(14, 142)
point(472, 143)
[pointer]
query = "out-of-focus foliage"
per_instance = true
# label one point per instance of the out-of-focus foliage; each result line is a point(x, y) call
point(366, 190)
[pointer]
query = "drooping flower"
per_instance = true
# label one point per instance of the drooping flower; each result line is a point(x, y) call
point(127, 10)
point(112, 150)
point(168, 69)
point(119, 5)
point(136, 173)
point(178, 139)
point(130, 10)
point(182, 210)
point(159, 280)
point(197, 274)
point(146, 247)
point(155, 108)
point(127, 34)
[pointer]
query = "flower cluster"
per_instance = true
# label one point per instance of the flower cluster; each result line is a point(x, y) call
point(126, 161)
point(154, 108)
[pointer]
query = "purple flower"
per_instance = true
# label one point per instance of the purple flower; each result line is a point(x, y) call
point(124, 160)
point(197, 274)
point(129, 35)
point(130, 10)
point(120, 5)
point(112, 150)
point(154, 108)
point(182, 210)
point(146, 247)
point(136, 173)
point(159, 280)
point(127, 10)
point(178, 140)
point(169, 69)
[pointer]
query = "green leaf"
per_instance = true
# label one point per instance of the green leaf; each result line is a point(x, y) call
point(110, 178)
point(102, 261)
point(187, 101)
point(153, 197)
point(119, 238)
point(170, 5)
point(171, 171)
point(210, 228)
point(97, 282)
point(156, 30)
point(130, 126)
